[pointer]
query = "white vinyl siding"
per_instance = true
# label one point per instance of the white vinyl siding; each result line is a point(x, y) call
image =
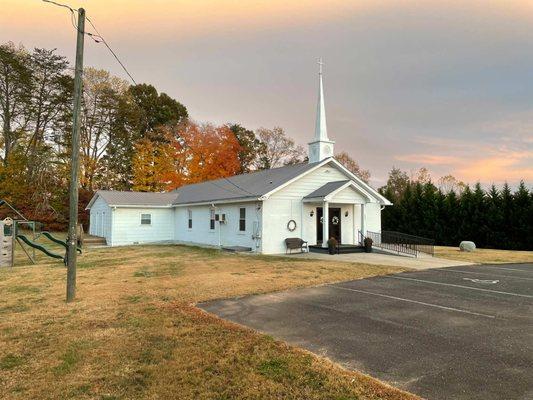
point(129, 229)
point(227, 234)
point(349, 195)
point(101, 220)
point(286, 205)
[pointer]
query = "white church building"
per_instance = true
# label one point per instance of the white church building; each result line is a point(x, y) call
point(313, 201)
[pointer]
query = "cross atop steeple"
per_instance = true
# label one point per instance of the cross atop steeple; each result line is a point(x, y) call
point(321, 147)
point(320, 64)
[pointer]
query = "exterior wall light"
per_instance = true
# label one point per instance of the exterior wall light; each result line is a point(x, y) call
point(346, 214)
point(312, 213)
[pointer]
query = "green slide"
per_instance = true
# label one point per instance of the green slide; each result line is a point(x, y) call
point(39, 247)
point(58, 241)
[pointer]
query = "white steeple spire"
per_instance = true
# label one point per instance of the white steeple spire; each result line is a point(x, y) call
point(321, 129)
point(321, 147)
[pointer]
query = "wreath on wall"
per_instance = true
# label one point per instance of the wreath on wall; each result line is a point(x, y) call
point(335, 220)
point(291, 225)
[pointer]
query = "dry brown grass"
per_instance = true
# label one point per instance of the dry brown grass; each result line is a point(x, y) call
point(134, 332)
point(484, 256)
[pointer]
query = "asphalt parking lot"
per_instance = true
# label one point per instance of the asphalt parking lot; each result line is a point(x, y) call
point(450, 333)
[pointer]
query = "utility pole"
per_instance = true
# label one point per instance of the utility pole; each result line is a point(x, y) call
point(74, 162)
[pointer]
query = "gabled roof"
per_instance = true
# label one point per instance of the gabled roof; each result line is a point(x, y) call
point(246, 186)
point(328, 188)
point(149, 199)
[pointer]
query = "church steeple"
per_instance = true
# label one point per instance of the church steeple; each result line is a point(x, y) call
point(321, 147)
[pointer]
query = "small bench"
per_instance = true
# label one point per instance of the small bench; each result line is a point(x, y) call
point(295, 243)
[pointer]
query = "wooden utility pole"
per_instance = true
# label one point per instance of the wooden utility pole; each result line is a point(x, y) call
point(74, 161)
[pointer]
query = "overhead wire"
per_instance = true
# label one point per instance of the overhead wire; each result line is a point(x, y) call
point(98, 38)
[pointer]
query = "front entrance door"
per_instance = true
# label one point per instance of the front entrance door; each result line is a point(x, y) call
point(334, 224)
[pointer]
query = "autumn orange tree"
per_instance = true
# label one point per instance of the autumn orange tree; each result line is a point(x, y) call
point(189, 153)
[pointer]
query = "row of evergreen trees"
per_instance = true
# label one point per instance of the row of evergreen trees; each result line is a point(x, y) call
point(497, 219)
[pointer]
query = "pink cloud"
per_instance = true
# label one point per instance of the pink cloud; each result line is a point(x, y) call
point(428, 159)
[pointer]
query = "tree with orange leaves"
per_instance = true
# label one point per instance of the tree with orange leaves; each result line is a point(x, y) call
point(209, 152)
point(190, 153)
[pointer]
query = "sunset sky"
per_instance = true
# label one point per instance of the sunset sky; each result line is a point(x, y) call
point(443, 84)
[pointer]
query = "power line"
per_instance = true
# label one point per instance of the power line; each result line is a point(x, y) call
point(59, 5)
point(98, 38)
point(109, 48)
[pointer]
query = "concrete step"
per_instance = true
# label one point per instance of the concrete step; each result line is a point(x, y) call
point(343, 249)
point(91, 241)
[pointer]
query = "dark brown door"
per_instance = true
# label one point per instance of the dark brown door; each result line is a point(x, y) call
point(319, 213)
point(334, 224)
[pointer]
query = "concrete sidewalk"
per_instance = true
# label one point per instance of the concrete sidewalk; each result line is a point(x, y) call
point(423, 261)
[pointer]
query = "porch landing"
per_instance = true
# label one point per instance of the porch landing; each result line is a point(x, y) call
point(343, 249)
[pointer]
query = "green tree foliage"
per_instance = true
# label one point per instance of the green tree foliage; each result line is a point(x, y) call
point(252, 149)
point(123, 127)
point(493, 219)
point(155, 109)
point(36, 123)
point(141, 110)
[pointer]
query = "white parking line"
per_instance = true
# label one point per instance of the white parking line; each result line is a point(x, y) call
point(459, 286)
point(509, 269)
point(414, 301)
point(483, 273)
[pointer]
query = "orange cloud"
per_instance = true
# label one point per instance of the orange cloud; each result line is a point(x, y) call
point(505, 166)
point(428, 159)
point(177, 19)
point(487, 164)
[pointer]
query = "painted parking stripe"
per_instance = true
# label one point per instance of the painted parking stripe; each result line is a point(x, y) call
point(508, 269)
point(483, 273)
point(414, 301)
point(460, 286)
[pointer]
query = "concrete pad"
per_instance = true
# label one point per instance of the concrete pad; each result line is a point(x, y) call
point(421, 262)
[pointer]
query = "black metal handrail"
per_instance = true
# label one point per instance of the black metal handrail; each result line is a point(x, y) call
point(361, 238)
point(401, 242)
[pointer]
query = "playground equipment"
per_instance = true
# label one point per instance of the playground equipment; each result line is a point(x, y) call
point(6, 243)
point(10, 235)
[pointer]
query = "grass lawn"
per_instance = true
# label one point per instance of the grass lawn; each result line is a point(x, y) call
point(484, 256)
point(134, 332)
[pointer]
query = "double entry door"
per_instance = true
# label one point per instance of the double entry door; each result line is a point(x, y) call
point(334, 223)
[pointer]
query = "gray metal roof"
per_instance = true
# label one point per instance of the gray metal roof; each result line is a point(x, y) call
point(328, 188)
point(245, 186)
point(116, 198)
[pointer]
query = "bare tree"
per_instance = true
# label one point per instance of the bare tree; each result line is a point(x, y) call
point(279, 149)
point(353, 166)
point(15, 89)
point(421, 176)
point(449, 183)
point(101, 96)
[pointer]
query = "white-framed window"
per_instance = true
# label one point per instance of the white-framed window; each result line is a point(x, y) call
point(242, 219)
point(189, 215)
point(212, 219)
point(146, 219)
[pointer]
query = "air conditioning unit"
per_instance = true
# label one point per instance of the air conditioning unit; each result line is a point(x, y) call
point(221, 218)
